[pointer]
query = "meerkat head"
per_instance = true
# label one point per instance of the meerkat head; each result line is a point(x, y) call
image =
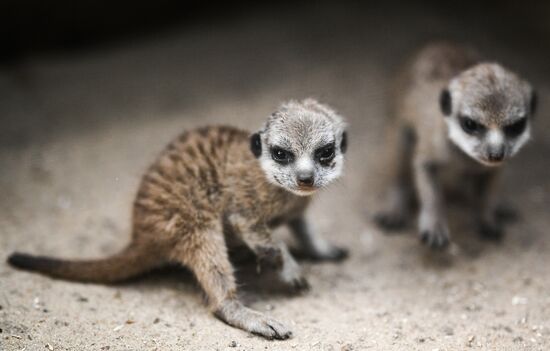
point(301, 146)
point(488, 111)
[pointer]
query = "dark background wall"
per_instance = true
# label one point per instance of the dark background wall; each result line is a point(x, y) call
point(27, 26)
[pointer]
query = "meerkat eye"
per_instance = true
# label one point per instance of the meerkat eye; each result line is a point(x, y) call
point(325, 154)
point(470, 126)
point(516, 128)
point(281, 156)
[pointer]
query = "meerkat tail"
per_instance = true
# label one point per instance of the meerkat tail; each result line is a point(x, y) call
point(128, 263)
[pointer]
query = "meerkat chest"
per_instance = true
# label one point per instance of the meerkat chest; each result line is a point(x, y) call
point(295, 207)
point(459, 171)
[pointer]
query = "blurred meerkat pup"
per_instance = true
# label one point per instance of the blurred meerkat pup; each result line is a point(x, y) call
point(457, 120)
point(218, 185)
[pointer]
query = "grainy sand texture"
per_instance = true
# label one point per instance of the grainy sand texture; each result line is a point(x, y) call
point(79, 129)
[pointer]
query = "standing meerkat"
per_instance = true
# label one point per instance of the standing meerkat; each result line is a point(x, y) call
point(457, 119)
point(220, 185)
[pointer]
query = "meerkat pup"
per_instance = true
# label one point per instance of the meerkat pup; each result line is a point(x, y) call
point(457, 120)
point(217, 185)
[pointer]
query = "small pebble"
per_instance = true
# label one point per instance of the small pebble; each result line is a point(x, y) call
point(518, 300)
point(471, 339)
point(448, 331)
point(347, 347)
point(233, 344)
point(49, 347)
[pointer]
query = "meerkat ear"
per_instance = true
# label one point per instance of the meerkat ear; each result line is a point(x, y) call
point(534, 102)
point(445, 102)
point(256, 144)
point(344, 142)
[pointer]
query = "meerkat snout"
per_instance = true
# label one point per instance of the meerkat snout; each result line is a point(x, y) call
point(301, 147)
point(488, 110)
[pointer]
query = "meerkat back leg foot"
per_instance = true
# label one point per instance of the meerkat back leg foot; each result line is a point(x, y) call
point(313, 246)
point(236, 314)
point(396, 214)
point(396, 211)
point(208, 260)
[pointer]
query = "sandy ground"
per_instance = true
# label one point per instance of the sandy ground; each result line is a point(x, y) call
point(79, 129)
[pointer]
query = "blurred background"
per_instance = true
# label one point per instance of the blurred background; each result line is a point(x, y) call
point(90, 92)
point(164, 53)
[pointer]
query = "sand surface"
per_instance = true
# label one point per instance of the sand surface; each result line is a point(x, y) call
point(79, 129)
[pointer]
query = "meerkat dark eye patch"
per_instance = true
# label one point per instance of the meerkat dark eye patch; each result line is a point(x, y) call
point(470, 126)
point(256, 144)
point(515, 129)
point(281, 155)
point(324, 155)
point(445, 102)
point(344, 143)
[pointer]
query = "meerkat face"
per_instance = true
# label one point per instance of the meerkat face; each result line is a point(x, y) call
point(488, 111)
point(301, 147)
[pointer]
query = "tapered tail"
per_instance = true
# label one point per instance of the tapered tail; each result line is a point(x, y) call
point(129, 263)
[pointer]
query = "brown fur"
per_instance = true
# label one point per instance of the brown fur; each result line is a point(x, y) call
point(422, 158)
point(205, 187)
point(204, 184)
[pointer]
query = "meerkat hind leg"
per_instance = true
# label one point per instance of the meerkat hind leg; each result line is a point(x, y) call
point(313, 246)
point(208, 260)
point(398, 202)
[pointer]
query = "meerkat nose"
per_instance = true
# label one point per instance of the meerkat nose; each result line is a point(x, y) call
point(305, 179)
point(496, 155)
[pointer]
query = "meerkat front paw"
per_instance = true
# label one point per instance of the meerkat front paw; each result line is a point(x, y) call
point(434, 232)
point(332, 253)
point(490, 231)
point(298, 284)
point(294, 282)
point(269, 257)
point(391, 220)
point(506, 214)
point(291, 276)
